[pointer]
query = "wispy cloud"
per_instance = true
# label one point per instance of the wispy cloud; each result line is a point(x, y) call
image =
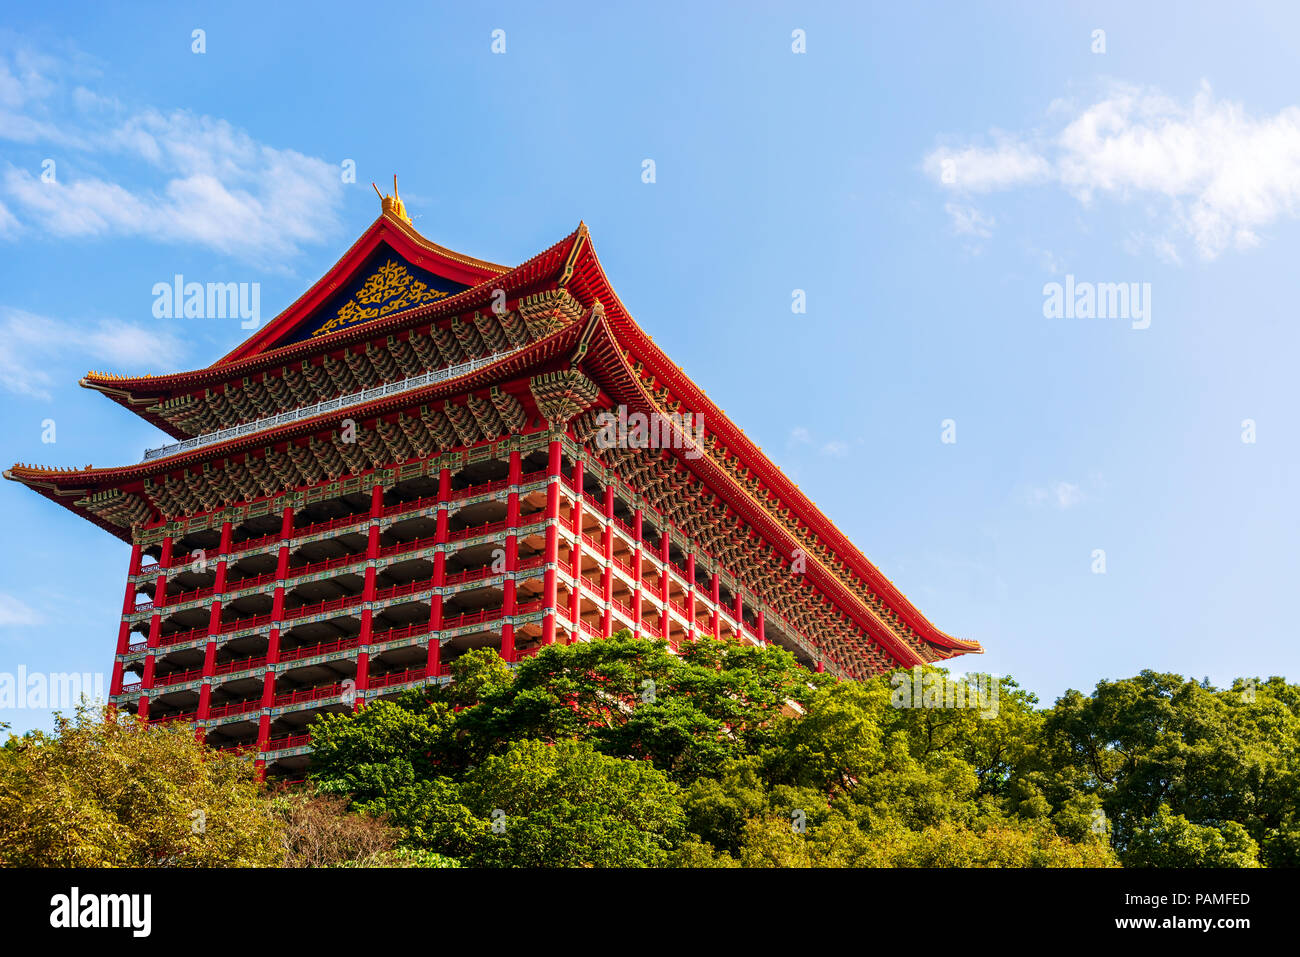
point(31, 346)
point(1215, 173)
point(14, 613)
point(969, 221)
point(177, 176)
point(834, 448)
point(1061, 495)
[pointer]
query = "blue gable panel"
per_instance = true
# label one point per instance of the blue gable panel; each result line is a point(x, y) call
point(386, 284)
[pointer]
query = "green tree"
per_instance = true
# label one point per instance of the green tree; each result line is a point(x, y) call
point(567, 805)
point(113, 791)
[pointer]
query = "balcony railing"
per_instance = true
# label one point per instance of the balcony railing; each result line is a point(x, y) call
point(309, 694)
point(238, 707)
point(396, 634)
point(176, 677)
point(320, 408)
point(324, 648)
point(413, 545)
point(239, 623)
point(400, 677)
point(192, 634)
point(337, 604)
point(239, 664)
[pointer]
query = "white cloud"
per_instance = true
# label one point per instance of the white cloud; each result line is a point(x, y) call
point(976, 169)
point(1062, 494)
point(969, 221)
point(32, 345)
point(14, 613)
point(1218, 173)
point(8, 224)
point(178, 177)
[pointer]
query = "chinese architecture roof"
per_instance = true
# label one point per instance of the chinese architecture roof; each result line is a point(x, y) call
point(396, 306)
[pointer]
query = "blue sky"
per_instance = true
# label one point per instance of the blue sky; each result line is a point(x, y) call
point(921, 172)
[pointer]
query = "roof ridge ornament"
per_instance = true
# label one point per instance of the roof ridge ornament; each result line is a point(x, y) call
point(393, 205)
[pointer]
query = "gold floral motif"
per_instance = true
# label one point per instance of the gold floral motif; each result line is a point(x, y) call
point(389, 289)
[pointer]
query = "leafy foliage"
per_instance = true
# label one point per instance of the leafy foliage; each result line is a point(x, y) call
point(120, 793)
point(620, 752)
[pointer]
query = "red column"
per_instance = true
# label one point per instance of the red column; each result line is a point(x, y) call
point(738, 612)
point(665, 623)
point(759, 631)
point(821, 666)
point(636, 564)
point(124, 629)
point(368, 594)
point(509, 587)
point(155, 625)
point(715, 596)
point(214, 625)
point(553, 463)
point(575, 554)
point(690, 596)
point(273, 636)
point(607, 574)
point(434, 661)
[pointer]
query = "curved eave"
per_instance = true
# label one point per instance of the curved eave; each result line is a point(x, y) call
point(82, 482)
point(590, 283)
point(56, 485)
point(607, 353)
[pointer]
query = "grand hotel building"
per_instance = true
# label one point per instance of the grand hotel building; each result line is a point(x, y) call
point(409, 462)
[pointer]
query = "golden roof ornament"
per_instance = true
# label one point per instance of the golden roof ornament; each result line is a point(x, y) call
point(393, 204)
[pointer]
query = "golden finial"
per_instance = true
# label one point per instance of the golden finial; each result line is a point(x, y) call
point(393, 204)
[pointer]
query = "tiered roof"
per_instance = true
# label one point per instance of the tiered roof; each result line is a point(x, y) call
point(548, 339)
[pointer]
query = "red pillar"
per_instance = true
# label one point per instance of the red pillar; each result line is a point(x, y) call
point(434, 661)
point(273, 636)
point(738, 612)
point(759, 631)
point(124, 629)
point(636, 564)
point(665, 623)
point(509, 587)
point(715, 596)
point(553, 462)
point(155, 625)
point(607, 574)
point(214, 625)
point(575, 554)
point(368, 594)
point(690, 596)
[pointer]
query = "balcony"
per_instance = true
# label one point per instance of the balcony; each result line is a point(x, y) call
point(288, 741)
point(324, 648)
point(292, 614)
point(240, 664)
point(401, 677)
point(239, 707)
point(177, 677)
point(396, 634)
point(309, 694)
